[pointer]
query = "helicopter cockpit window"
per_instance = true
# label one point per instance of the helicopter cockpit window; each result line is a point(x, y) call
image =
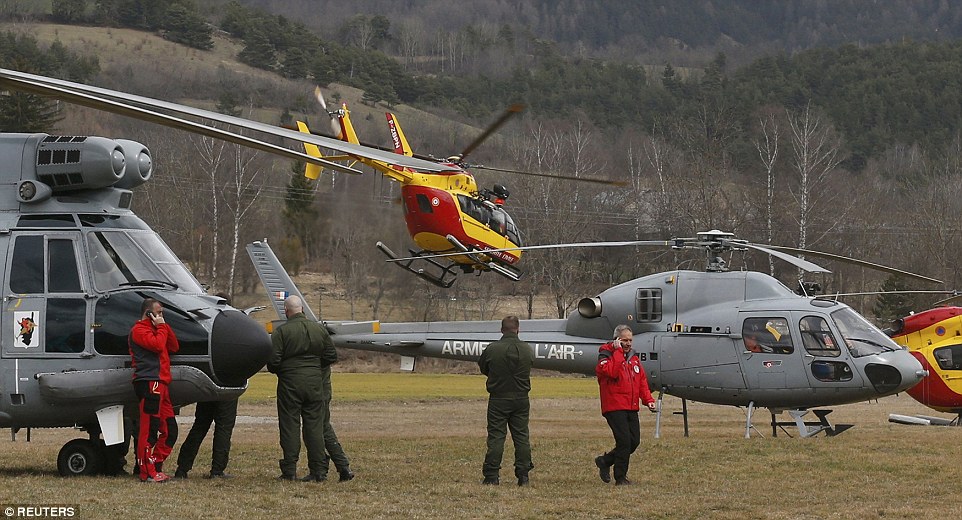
point(112, 221)
point(26, 271)
point(767, 335)
point(66, 325)
point(817, 337)
point(861, 337)
point(513, 234)
point(949, 358)
point(475, 209)
point(62, 274)
point(121, 258)
point(46, 221)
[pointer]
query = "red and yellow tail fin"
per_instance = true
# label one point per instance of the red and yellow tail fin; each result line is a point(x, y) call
point(401, 145)
point(347, 128)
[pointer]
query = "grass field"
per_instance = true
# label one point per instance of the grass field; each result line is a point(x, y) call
point(416, 443)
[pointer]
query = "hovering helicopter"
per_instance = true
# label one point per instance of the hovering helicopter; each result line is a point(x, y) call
point(445, 211)
point(78, 264)
point(737, 338)
point(934, 337)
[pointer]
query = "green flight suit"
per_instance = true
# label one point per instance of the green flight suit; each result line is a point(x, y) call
point(302, 349)
point(334, 450)
point(507, 363)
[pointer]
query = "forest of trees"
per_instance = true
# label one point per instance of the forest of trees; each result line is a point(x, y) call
point(853, 149)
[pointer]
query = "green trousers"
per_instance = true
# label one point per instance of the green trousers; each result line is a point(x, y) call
point(300, 403)
point(505, 414)
point(333, 447)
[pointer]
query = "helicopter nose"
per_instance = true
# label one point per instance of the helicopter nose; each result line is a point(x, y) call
point(239, 347)
point(899, 371)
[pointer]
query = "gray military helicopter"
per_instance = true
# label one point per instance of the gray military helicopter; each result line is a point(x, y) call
point(79, 263)
point(738, 338)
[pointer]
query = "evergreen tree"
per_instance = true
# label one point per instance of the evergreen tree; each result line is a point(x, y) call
point(68, 11)
point(892, 305)
point(258, 52)
point(185, 26)
point(299, 214)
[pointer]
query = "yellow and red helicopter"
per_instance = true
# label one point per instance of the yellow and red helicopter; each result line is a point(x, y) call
point(934, 337)
point(445, 211)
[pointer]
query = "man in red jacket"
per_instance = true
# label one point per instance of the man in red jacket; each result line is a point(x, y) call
point(622, 383)
point(151, 342)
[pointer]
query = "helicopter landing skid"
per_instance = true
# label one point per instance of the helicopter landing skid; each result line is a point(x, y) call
point(509, 272)
point(810, 428)
point(445, 280)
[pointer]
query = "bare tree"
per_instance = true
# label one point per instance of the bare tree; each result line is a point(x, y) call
point(816, 154)
point(767, 147)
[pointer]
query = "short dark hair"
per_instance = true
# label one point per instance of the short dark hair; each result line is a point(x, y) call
point(146, 306)
point(510, 324)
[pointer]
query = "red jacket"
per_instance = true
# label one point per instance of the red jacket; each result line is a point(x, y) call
point(150, 349)
point(621, 382)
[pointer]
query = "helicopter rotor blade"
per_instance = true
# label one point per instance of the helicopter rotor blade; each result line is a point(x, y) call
point(804, 265)
point(512, 110)
point(118, 107)
point(608, 182)
point(854, 261)
point(107, 99)
point(956, 296)
point(542, 246)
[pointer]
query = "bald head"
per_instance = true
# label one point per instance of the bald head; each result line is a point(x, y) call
point(510, 325)
point(293, 305)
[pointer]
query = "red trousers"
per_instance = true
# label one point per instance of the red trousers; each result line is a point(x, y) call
point(158, 427)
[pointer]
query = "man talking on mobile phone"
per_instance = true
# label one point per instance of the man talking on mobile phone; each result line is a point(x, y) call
point(622, 383)
point(151, 342)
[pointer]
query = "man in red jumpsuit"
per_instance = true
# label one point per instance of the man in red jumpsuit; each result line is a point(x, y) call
point(151, 342)
point(622, 383)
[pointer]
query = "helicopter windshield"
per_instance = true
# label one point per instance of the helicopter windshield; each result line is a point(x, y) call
point(136, 258)
point(862, 338)
point(491, 216)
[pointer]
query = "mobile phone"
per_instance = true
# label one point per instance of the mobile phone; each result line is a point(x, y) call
point(150, 314)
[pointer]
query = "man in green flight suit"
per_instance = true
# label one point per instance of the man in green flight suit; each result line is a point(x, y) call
point(302, 350)
point(507, 363)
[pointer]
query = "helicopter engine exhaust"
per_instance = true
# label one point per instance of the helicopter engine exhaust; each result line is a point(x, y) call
point(590, 307)
point(140, 166)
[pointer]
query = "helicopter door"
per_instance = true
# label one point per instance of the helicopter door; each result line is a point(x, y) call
point(700, 361)
point(828, 365)
point(45, 309)
point(769, 357)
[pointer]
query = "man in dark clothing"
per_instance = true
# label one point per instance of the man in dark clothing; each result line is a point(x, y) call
point(151, 342)
point(507, 363)
point(301, 350)
point(331, 445)
point(622, 383)
point(223, 414)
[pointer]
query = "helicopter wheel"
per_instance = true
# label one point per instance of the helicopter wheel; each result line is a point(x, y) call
point(80, 457)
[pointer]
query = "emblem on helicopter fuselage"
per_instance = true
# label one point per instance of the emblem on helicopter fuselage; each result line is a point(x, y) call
point(26, 330)
point(771, 363)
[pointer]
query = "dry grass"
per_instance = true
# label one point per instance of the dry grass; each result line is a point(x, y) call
point(417, 456)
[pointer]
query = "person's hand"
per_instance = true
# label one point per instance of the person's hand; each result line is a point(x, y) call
point(652, 407)
point(157, 319)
